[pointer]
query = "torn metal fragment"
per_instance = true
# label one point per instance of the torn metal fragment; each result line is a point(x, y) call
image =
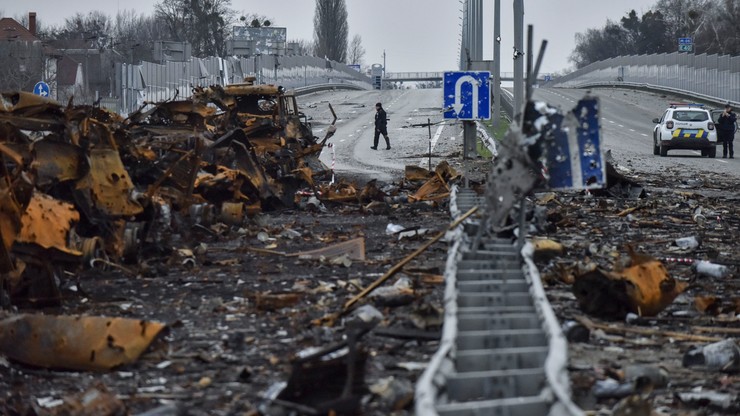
point(107, 186)
point(275, 301)
point(644, 288)
point(354, 249)
point(76, 342)
point(47, 222)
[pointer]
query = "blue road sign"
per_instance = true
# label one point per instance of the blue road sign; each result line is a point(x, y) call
point(41, 88)
point(685, 41)
point(575, 158)
point(467, 95)
point(547, 78)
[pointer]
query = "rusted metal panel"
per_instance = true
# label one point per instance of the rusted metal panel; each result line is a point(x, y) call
point(47, 223)
point(76, 342)
point(55, 162)
point(108, 186)
point(644, 288)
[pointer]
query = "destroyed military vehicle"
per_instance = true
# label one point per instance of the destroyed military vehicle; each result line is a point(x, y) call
point(82, 184)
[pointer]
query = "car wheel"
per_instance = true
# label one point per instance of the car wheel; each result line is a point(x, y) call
point(656, 148)
point(712, 152)
point(704, 152)
point(663, 151)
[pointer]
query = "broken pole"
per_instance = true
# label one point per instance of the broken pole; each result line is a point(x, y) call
point(408, 258)
point(429, 125)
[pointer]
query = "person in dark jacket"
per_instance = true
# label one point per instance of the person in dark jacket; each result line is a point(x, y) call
point(381, 127)
point(726, 131)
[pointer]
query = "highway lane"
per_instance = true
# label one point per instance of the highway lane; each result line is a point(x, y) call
point(626, 126)
point(355, 128)
point(626, 123)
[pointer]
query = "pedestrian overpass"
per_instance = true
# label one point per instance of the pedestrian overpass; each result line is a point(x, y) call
point(437, 76)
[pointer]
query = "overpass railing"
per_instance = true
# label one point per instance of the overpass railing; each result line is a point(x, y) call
point(153, 82)
point(714, 78)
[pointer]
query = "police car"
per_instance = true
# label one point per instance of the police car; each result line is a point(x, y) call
point(685, 126)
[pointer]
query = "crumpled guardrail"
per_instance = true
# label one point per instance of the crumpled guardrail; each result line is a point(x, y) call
point(433, 380)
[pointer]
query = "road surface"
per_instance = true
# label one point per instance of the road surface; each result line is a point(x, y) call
point(626, 122)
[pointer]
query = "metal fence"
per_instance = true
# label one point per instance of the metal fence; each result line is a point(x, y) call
point(152, 82)
point(712, 77)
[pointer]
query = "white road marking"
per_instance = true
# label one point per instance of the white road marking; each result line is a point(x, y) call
point(644, 134)
point(434, 143)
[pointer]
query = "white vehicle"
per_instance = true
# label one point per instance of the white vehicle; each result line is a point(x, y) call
point(685, 126)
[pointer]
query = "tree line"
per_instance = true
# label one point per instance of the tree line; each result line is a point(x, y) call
point(714, 26)
point(205, 24)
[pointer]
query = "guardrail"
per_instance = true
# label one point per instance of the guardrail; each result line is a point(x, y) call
point(658, 88)
point(328, 87)
point(502, 349)
point(715, 78)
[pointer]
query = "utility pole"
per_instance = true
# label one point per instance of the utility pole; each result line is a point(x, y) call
point(475, 39)
point(383, 63)
point(496, 63)
point(518, 53)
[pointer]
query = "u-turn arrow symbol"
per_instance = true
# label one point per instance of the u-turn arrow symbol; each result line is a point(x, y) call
point(458, 90)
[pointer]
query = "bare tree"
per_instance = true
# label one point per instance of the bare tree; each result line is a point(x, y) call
point(133, 35)
point(255, 20)
point(304, 47)
point(22, 65)
point(203, 23)
point(331, 29)
point(95, 28)
point(355, 52)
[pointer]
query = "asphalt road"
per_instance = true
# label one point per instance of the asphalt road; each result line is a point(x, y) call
point(626, 126)
point(355, 128)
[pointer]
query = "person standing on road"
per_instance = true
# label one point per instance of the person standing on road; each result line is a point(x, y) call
point(381, 127)
point(726, 131)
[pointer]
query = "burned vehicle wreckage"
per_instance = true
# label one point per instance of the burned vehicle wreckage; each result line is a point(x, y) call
point(82, 185)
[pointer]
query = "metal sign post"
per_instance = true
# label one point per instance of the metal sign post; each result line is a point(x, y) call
point(467, 97)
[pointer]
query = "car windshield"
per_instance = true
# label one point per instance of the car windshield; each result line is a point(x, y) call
point(689, 115)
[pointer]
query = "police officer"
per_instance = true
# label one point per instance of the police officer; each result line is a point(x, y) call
point(726, 130)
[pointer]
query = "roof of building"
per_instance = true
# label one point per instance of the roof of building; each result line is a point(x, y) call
point(11, 30)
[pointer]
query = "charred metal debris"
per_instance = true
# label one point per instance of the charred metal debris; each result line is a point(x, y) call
point(82, 186)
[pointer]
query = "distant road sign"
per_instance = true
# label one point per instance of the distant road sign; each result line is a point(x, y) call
point(685, 41)
point(467, 95)
point(41, 88)
point(547, 78)
point(685, 48)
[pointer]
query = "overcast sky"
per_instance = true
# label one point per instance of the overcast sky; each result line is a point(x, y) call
point(416, 35)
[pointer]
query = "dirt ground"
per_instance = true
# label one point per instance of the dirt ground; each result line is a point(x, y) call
point(606, 354)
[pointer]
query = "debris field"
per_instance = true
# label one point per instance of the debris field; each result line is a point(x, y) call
point(197, 258)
